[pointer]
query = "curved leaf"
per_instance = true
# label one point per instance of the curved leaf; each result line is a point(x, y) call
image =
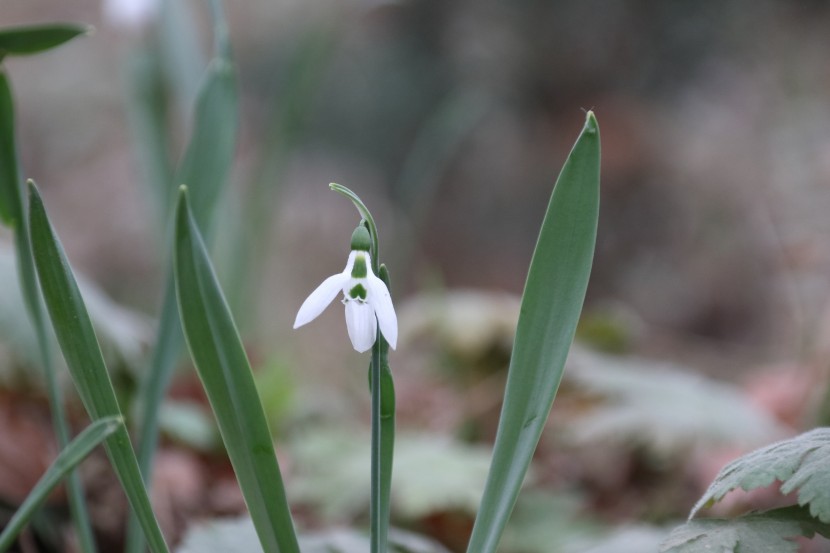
point(223, 367)
point(82, 353)
point(61, 467)
point(767, 532)
point(801, 463)
point(551, 304)
point(37, 38)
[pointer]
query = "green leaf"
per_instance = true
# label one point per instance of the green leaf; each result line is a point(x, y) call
point(661, 406)
point(205, 168)
point(209, 157)
point(543, 522)
point(223, 367)
point(67, 460)
point(37, 38)
point(10, 200)
point(801, 463)
point(454, 482)
point(238, 536)
point(551, 304)
point(12, 211)
point(82, 353)
point(767, 532)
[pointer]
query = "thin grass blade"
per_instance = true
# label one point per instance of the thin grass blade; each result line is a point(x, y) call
point(82, 353)
point(37, 38)
point(62, 466)
point(223, 367)
point(11, 204)
point(551, 304)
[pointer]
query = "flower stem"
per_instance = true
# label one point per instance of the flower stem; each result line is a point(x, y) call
point(376, 522)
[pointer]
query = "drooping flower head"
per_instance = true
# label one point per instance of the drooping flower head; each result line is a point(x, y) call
point(366, 297)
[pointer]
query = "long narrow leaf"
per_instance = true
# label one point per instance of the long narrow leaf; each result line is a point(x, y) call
point(551, 304)
point(209, 157)
point(11, 203)
point(37, 38)
point(63, 465)
point(223, 367)
point(80, 348)
point(205, 168)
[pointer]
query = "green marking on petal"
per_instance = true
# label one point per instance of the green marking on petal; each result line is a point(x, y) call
point(358, 291)
point(359, 268)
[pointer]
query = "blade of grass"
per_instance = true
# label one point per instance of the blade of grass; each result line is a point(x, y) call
point(223, 367)
point(37, 38)
point(11, 202)
point(551, 304)
point(63, 465)
point(82, 353)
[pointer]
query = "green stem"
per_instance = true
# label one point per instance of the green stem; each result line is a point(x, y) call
point(375, 508)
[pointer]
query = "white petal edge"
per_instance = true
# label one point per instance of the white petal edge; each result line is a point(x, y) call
point(320, 298)
point(381, 301)
point(360, 322)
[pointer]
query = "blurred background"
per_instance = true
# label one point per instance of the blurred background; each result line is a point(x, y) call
point(706, 329)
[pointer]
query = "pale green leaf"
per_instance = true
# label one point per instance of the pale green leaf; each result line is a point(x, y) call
point(625, 539)
point(768, 532)
point(432, 473)
point(801, 463)
point(551, 304)
point(543, 522)
point(239, 536)
point(661, 406)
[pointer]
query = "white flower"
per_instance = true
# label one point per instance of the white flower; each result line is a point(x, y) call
point(366, 299)
point(130, 14)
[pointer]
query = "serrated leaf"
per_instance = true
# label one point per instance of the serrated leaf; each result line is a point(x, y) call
point(662, 406)
point(37, 38)
point(801, 463)
point(768, 532)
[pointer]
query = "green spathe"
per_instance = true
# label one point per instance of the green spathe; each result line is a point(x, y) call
point(361, 240)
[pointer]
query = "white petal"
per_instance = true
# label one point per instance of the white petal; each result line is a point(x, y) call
point(320, 298)
point(379, 298)
point(360, 322)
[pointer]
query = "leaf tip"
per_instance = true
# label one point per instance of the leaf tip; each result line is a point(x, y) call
point(591, 125)
point(31, 187)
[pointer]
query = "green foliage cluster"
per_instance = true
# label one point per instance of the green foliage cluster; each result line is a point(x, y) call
point(553, 298)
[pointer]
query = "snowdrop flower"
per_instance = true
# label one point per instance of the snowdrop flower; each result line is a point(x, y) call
point(130, 14)
point(367, 300)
